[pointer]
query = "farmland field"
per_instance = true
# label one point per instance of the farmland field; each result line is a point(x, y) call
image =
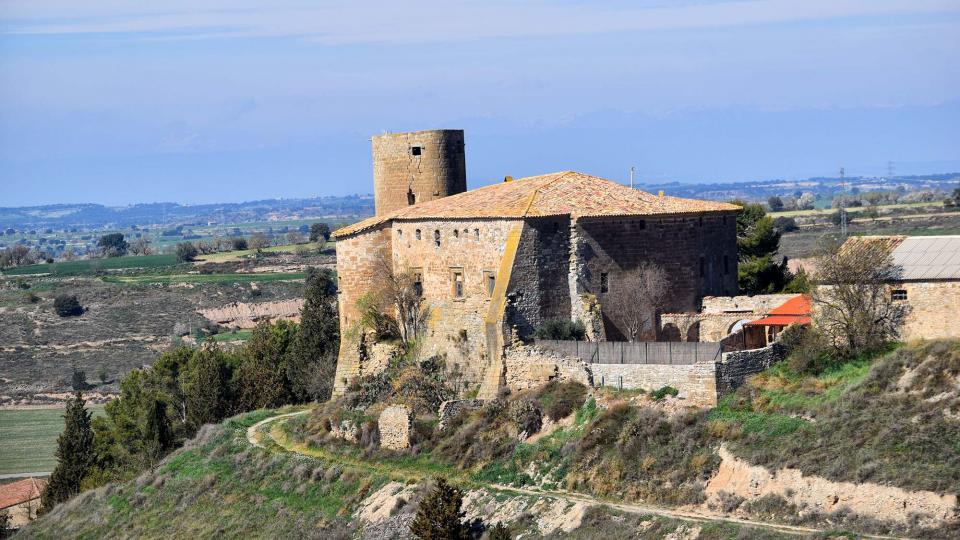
point(90, 266)
point(236, 255)
point(28, 438)
point(206, 278)
point(236, 335)
point(855, 209)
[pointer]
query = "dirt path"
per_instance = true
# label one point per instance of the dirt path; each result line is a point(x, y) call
point(255, 437)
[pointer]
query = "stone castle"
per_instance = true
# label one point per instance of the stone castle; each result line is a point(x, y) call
point(495, 262)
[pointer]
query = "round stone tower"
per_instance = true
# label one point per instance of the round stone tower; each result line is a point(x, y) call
point(415, 167)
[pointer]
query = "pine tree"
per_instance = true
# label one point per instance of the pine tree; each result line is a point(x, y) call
point(75, 454)
point(439, 516)
point(499, 532)
point(312, 366)
point(158, 433)
point(204, 385)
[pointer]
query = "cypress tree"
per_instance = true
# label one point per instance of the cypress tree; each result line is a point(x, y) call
point(159, 435)
point(312, 366)
point(75, 454)
point(439, 516)
point(204, 385)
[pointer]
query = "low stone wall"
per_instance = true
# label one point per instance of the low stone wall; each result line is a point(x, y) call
point(734, 368)
point(696, 382)
point(455, 407)
point(394, 424)
point(529, 367)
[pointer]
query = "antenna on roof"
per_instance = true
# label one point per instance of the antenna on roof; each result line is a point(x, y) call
point(631, 177)
point(843, 204)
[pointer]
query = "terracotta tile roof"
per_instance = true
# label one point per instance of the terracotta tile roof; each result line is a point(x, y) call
point(21, 491)
point(555, 194)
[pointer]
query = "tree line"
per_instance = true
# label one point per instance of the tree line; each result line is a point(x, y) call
point(162, 406)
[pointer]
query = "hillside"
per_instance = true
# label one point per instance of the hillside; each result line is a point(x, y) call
point(843, 449)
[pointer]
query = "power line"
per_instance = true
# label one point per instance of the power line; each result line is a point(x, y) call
point(843, 204)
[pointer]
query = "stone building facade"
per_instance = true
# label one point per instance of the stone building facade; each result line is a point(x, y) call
point(416, 167)
point(495, 262)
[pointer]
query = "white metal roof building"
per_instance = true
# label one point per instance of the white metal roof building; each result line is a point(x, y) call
point(927, 258)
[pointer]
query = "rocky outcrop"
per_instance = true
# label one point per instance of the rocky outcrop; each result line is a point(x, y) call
point(813, 493)
point(243, 315)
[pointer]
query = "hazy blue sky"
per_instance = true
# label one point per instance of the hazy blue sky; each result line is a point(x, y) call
point(206, 100)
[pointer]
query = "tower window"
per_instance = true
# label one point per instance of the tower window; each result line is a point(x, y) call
point(415, 150)
point(701, 221)
point(436, 237)
point(642, 224)
point(417, 234)
point(417, 281)
point(476, 233)
point(898, 295)
point(456, 233)
point(458, 284)
point(490, 280)
point(604, 282)
point(411, 198)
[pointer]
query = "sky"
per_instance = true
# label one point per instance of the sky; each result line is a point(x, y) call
point(119, 102)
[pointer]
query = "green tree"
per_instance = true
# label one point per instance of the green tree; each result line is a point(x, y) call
point(186, 252)
point(499, 532)
point(261, 379)
point(75, 455)
point(238, 243)
point(67, 305)
point(319, 231)
point(157, 431)
point(775, 203)
point(313, 364)
point(112, 245)
point(758, 241)
point(204, 385)
point(439, 516)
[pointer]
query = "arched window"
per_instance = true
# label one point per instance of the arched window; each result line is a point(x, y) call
point(436, 237)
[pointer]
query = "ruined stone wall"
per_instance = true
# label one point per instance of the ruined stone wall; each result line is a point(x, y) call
point(695, 382)
point(538, 288)
point(358, 271)
point(531, 367)
point(615, 246)
point(734, 367)
point(471, 247)
point(721, 313)
point(395, 424)
point(411, 168)
point(935, 310)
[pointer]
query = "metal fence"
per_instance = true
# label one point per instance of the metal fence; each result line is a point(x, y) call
point(621, 352)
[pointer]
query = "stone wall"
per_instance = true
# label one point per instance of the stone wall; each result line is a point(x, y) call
point(530, 367)
point(680, 245)
point(404, 176)
point(359, 270)
point(736, 366)
point(394, 424)
point(695, 382)
point(538, 288)
point(934, 308)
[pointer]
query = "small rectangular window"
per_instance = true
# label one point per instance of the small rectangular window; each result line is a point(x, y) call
point(415, 150)
point(490, 281)
point(898, 295)
point(417, 281)
point(417, 234)
point(458, 284)
point(642, 224)
point(604, 282)
point(476, 233)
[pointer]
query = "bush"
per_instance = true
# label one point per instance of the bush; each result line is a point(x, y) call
point(67, 305)
point(186, 252)
point(238, 243)
point(526, 416)
point(785, 224)
point(663, 392)
point(561, 399)
point(560, 329)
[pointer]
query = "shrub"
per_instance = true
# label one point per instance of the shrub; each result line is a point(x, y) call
point(561, 330)
point(561, 399)
point(663, 392)
point(238, 243)
point(526, 416)
point(186, 252)
point(785, 224)
point(439, 516)
point(67, 305)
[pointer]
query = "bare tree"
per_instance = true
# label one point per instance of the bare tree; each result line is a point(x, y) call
point(641, 294)
point(852, 303)
point(141, 246)
point(259, 241)
point(397, 307)
point(295, 237)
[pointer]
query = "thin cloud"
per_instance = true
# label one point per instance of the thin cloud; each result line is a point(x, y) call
point(434, 21)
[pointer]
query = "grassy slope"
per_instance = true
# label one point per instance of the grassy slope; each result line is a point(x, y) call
point(28, 438)
point(91, 266)
point(206, 278)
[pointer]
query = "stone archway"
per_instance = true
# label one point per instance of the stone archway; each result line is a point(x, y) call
point(693, 332)
point(670, 332)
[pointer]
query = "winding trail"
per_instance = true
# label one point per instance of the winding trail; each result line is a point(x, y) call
point(255, 436)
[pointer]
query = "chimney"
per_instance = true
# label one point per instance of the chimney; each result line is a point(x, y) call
point(660, 194)
point(508, 179)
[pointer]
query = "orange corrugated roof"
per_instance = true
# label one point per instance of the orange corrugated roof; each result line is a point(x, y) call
point(21, 491)
point(794, 311)
point(555, 194)
point(781, 320)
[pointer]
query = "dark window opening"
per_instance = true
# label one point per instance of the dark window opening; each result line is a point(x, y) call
point(701, 221)
point(898, 295)
point(491, 282)
point(642, 224)
point(415, 150)
point(399, 232)
point(556, 227)
point(456, 233)
point(436, 237)
point(418, 234)
point(476, 232)
point(411, 198)
point(604, 282)
point(458, 284)
point(418, 282)
point(703, 267)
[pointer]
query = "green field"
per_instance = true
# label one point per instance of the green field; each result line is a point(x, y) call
point(236, 255)
point(205, 278)
point(236, 335)
point(90, 266)
point(28, 438)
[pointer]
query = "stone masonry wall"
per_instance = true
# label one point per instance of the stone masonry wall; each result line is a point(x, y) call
point(401, 177)
point(474, 248)
point(538, 288)
point(615, 246)
point(696, 382)
point(530, 367)
point(359, 269)
point(394, 425)
point(736, 366)
point(934, 310)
